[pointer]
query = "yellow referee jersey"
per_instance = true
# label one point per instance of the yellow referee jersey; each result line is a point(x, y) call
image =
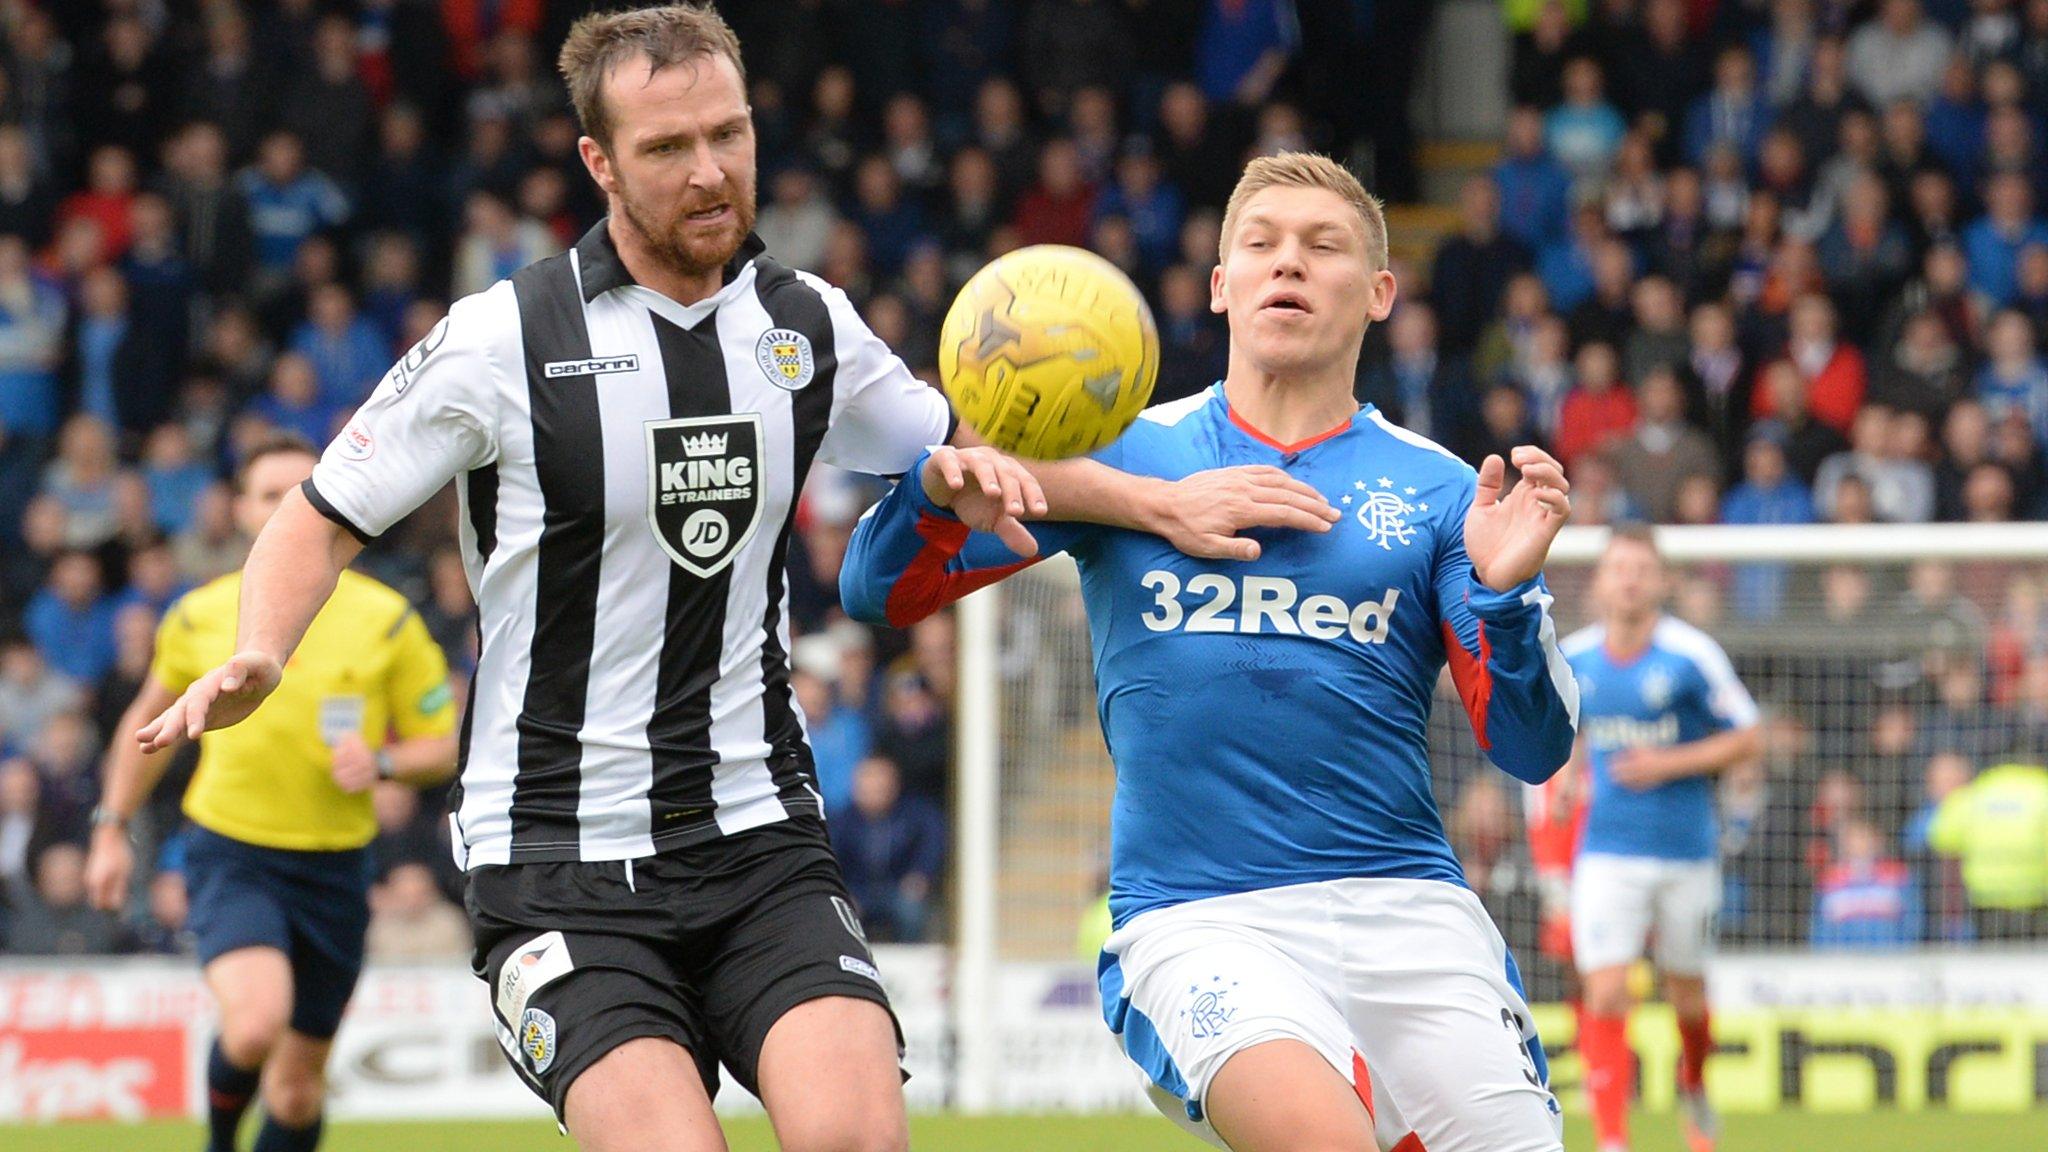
point(367, 666)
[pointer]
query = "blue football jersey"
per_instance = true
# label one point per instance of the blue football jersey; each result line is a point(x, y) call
point(1268, 720)
point(1680, 689)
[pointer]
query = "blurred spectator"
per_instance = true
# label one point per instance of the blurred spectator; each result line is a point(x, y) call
point(1993, 243)
point(1655, 335)
point(26, 830)
point(892, 846)
point(1072, 44)
point(1141, 195)
point(294, 403)
point(839, 733)
point(31, 692)
point(1997, 825)
point(347, 352)
point(72, 619)
point(1734, 115)
point(1056, 210)
point(287, 203)
point(1584, 131)
point(32, 328)
point(2013, 380)
point(1194, 343)
point(1599, 407)
point(210, 546)
point(1655, 460)
point(893, 222)
point(1866, 898)
point(411, 920)
point(916, 729)
point(27, 205)
point(1834, 371)
point(1243, 48)
point(1925, 373)
point(1418, 387)
point(1899, 56)
point(55, 920)
point(495, 243)
point(1535, 189)
point(1901, 490)
point(1768, 494)
point(798, 219)
point(116, 373)
point(1473, 266)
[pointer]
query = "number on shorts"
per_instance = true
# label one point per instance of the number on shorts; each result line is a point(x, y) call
point(1514, 1027)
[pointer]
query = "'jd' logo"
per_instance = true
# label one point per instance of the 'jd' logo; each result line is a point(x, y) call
point(704, 487)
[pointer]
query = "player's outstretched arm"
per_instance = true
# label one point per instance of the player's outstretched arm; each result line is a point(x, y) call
point(1201, 515)
point(912, 554)
point(1501, 642)
point(291, 572)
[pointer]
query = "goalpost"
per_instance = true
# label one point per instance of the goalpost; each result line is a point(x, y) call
point(1887, 660)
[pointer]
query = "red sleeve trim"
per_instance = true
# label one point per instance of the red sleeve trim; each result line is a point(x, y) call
point(926, 586)
point(1474, 681)
point(1361, 1083)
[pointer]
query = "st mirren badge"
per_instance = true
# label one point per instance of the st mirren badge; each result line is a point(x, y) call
point(704, 487)
point(784, 355)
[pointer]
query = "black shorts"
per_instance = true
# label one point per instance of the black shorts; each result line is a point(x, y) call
point(707, 945)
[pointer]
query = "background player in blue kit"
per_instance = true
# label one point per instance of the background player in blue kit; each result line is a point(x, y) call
point(1292, 929)
point(1662, 713)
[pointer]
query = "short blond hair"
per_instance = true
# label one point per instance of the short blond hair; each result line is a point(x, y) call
point(668, 35)
point(1308, 170)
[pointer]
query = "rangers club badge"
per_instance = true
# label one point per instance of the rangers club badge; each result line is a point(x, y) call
point(784, 355)
point(704, 487)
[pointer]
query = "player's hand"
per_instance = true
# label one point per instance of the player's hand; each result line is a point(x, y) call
point(222, 697)
point(1508, 535)
point(988, 491)
point(1207, 510)
point(355, 769)
point(108, 868)
point(1638, 769)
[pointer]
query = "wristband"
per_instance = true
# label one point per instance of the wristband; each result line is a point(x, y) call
point(385, 769)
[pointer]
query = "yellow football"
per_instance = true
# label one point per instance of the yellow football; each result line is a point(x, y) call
point(1049, 352)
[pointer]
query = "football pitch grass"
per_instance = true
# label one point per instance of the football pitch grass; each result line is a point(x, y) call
point(1781, 1132)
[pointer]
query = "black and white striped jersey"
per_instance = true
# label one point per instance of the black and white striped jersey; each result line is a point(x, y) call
point(628, 468)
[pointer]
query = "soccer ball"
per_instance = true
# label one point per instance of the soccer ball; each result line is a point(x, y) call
point(1049, 352)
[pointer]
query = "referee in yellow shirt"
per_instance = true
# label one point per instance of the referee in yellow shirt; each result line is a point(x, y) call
point(277, 861)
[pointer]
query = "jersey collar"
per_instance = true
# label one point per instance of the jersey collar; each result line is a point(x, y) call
point(1298, 447)
point(598, 260)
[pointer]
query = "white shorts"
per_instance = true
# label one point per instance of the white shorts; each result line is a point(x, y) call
point(1404, 986)
point(1618, 900)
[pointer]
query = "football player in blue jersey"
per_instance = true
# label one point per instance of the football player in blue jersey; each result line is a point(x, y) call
point(1663, 714)
point(1297, 963)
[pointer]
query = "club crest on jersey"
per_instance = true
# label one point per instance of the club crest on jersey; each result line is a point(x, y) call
point(1382, 510)
point(704, 487)
point(784, 355)
point(537, 1039)
point(1655, 687)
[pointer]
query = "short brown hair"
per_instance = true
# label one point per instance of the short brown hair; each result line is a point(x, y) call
point(274, 444)
point(1636, 532)
point(1309, 170)
point(668, 35)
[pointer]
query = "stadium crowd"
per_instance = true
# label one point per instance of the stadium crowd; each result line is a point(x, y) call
point(1738, 262)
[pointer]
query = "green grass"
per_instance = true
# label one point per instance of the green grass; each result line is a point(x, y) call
point(1783, 1132)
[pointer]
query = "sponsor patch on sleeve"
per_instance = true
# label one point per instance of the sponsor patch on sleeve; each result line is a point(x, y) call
point(859, 967)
